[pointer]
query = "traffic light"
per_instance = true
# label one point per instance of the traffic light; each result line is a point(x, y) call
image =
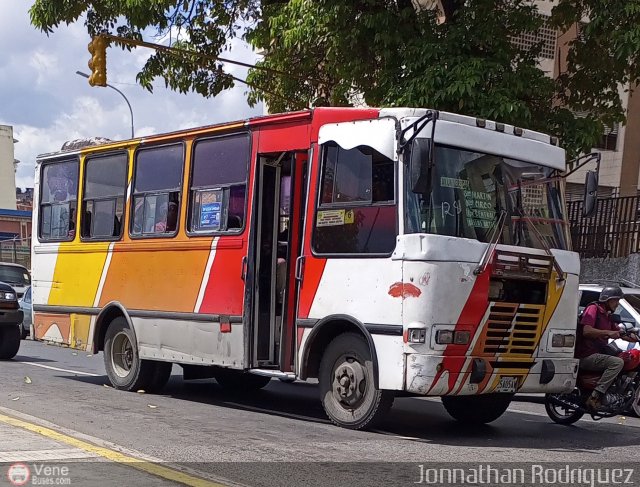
point(98, 62)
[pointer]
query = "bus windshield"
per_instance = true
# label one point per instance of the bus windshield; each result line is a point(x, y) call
point(467, 191)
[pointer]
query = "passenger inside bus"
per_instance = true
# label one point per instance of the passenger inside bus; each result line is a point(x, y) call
point(235, 214)
point(167, 221)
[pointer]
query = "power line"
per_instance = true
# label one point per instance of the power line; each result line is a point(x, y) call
point(160, 47)
point(177, 50)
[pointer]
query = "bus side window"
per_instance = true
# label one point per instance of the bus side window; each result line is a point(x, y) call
point(105, 186)
point(357, 211)
point(156, 193)
point(59, 201)
point(218, 184)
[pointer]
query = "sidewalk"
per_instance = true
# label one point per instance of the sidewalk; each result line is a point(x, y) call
point(34, 452)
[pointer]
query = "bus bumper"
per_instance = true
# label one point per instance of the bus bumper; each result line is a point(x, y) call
point(438, 376)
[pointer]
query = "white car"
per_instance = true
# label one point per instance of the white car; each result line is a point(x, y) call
point(629, 308)
point(16, 276)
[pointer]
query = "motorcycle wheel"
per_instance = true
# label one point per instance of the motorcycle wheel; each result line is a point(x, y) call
point(561, 414)
point(636, 402)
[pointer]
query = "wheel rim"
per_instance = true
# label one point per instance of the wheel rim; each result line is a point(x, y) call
point(122, 355)
point(349, 382)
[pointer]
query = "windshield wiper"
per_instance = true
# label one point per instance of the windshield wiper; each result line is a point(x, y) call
point(547, 249)
point(491, 245)
point(527, 219)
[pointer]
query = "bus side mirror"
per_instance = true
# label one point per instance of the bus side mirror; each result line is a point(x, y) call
point(419, 161)
point(590, 193)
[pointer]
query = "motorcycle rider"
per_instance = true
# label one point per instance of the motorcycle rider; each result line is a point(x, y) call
point(594, 330)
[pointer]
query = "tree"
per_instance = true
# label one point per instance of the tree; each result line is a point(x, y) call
point(459, 58)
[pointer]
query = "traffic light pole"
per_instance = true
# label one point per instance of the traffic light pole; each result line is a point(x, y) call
point(85, 75)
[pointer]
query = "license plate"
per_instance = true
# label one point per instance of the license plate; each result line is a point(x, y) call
point(507, 384)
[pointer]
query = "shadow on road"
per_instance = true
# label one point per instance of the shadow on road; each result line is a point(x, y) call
point(413, 419)
point(27, 358)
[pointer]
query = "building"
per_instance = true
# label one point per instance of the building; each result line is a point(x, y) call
point(24, 199)
point(619, 145)
point(15, 224)
point(7, 169)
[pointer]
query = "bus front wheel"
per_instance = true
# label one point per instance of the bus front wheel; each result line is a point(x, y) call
point(125, 369)
point(347, 384)
point(477, 409)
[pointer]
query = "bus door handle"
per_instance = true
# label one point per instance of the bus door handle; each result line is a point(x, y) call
point(243, 272)
point(299, 268)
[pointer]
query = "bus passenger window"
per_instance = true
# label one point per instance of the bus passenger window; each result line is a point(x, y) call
point(357, 213)
point(218, 184)
point(105, 186)
point(58, 201)
point(156, 194)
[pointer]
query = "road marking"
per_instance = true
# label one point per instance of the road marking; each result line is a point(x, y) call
point(112, 455)
point(61, 370)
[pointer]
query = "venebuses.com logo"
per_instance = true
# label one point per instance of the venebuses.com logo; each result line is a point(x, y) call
point(18, 474)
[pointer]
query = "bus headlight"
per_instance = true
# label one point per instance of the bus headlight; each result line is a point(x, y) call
point(461, 337)
point(563, 341)
point(446, 337)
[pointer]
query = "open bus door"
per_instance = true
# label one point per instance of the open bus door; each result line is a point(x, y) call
point(279, 202)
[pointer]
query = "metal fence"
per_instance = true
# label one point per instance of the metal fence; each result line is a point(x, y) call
point(612, 231)
point(17, 251)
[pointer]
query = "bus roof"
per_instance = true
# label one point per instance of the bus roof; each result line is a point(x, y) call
point(302, 117)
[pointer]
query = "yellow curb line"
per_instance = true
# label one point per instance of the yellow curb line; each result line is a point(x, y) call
point(112, 455)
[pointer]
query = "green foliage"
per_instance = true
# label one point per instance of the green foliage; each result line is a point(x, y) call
point(387, 53)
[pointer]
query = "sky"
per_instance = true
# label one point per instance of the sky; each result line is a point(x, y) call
point(48, 104)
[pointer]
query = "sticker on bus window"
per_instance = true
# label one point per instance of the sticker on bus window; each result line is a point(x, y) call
point(210, 216)
point(349, 217)
point(454, 183)
point(329, 218)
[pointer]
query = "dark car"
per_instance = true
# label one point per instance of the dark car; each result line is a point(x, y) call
point(10, 322)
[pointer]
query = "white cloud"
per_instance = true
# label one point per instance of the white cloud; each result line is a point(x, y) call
point(45, 65)
point(48, 104)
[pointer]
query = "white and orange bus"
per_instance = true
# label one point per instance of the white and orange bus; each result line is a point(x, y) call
point(381, 251)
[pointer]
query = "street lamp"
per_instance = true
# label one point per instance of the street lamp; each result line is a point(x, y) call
point(85, 75)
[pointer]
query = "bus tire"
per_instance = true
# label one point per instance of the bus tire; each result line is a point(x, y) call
point(9, 341)
point(477, 409)
point(160, 376)
point(125, 369)
point(239, 381)
point(347, 384)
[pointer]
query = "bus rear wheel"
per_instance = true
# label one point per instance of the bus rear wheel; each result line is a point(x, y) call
point(477, 409)
point(9, 341)
point(347, 384)
point(125, 369)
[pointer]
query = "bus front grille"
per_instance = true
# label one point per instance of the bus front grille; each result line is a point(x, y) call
point(513, 329)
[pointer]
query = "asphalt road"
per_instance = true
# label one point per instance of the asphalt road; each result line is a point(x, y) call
point(237, 437)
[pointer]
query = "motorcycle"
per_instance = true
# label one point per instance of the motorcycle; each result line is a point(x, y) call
point(623, 396)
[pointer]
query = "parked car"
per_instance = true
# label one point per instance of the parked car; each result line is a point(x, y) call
point(25, 306)
point(16, 276)
point(10, 319)
point(628, 309)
